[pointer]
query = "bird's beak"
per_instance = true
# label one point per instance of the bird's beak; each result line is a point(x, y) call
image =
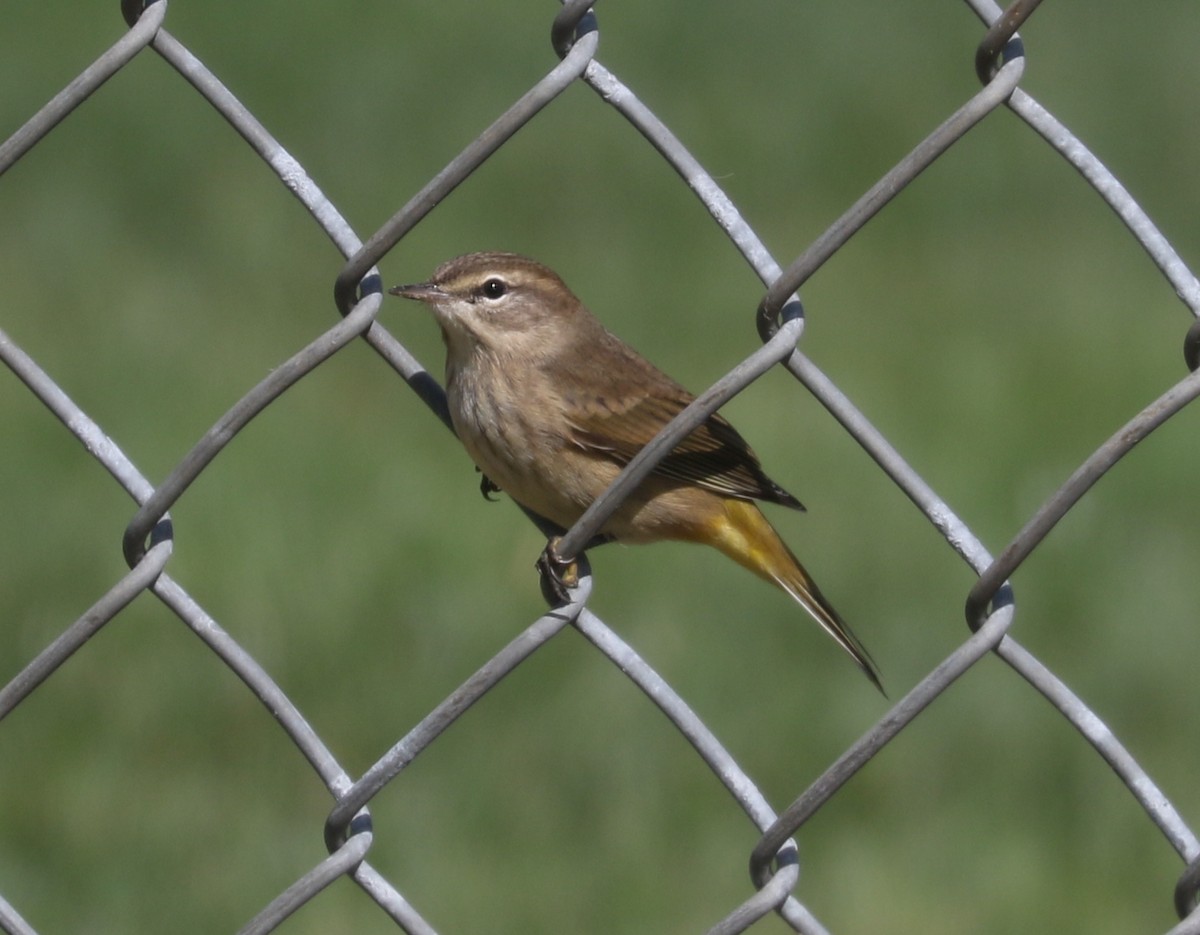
point(419, 291)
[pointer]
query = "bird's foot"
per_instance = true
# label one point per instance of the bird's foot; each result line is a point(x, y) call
point(487, 486)
point(559, 574)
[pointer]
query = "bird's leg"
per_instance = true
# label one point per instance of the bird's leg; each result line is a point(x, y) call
point(558, 574)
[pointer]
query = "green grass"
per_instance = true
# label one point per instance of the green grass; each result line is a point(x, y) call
point(995, 322)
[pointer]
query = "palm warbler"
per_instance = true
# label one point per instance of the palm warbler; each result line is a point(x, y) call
point(550, 405)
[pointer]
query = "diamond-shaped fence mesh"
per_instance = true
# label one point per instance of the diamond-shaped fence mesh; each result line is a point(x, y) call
point(122, 751)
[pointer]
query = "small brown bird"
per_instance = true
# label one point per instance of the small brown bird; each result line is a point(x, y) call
point(551, 405)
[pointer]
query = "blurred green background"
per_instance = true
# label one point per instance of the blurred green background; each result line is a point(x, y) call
point(995, 322)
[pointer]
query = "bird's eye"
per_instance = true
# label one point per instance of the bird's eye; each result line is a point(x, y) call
point(494, 288)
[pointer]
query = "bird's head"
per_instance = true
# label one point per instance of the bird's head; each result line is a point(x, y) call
point(498, 302)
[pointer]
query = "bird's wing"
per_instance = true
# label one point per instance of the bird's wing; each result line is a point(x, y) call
point(617, 420)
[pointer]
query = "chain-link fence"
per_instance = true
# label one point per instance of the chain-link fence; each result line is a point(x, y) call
point(353, 828)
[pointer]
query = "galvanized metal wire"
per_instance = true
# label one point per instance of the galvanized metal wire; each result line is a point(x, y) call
point(991, 606)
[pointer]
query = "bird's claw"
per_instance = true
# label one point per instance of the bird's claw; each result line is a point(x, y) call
point(559, 575)
point(487, 486)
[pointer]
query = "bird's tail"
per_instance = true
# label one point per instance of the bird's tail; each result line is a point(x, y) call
point(749, 539)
